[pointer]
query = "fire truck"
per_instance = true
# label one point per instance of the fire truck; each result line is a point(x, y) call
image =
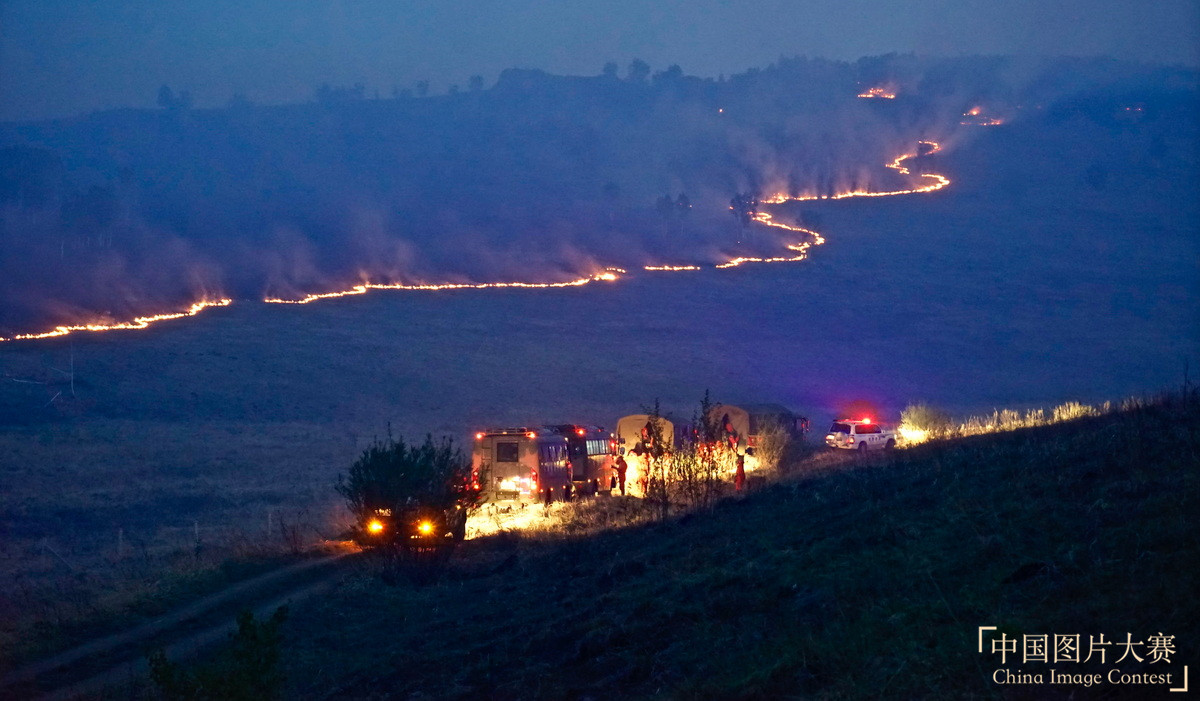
point(542, 464)
point(591, 453)
point(413, 527)
point(520, 465)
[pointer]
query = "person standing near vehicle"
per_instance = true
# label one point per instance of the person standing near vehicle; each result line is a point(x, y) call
point(622, 470)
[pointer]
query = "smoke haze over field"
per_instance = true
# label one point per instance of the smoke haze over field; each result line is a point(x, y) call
point(539, 178)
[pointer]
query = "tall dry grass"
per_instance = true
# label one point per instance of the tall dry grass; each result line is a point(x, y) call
point(921, 422)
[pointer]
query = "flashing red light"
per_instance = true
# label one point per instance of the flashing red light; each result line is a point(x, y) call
point(866, 419)
point(580, 431)
point(531, 434)
point(478, 436)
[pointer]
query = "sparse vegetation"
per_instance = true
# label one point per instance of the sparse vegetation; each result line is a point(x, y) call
point(245, 669)
point(774, 442)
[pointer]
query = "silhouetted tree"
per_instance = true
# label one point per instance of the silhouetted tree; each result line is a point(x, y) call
point(392, 474)
point(666, 209)
point(658, 478)
point(168, 100)
point(238, 102)
point(475, 83)
point(638, 71)
point(672, 76)
point(743, 207)
point(422, 88)
point(327, 94)
point(166, 97)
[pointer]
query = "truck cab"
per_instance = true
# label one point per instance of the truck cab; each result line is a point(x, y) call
point(847, 434)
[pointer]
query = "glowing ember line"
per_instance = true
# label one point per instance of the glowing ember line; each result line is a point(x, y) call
point(975, 118)
point(670, 268)
point(802, 249)
point(882, 93)
point(939, 182)
point(608, 275)
point(140, 322)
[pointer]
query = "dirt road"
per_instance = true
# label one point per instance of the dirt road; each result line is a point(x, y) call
point(121, 658)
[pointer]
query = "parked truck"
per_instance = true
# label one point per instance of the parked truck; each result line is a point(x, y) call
point(521, 465)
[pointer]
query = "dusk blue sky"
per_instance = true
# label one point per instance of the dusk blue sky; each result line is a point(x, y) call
point(63, 57)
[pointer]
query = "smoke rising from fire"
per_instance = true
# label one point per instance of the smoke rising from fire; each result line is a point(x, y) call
point(539, 179)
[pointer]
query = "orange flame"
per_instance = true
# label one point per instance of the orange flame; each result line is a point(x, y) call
point(609, 274)
point(879, 92)
point(140, 322)
point(975, 118)
point(939, 181)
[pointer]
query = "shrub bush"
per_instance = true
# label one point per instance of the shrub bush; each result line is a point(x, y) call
point(391, 474)
point(923, 417)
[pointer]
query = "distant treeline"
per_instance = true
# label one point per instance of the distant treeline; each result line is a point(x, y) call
point(536, 177)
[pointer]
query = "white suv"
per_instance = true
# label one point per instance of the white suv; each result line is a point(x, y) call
point(859, 435)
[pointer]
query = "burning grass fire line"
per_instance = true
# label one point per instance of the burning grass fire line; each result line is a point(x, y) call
point(609, 274)
point(140, 322)
point(975, 118)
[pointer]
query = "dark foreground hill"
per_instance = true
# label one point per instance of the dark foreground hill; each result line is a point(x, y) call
point(870, 579)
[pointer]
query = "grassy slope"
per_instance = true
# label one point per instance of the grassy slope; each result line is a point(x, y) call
point(865, 579)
